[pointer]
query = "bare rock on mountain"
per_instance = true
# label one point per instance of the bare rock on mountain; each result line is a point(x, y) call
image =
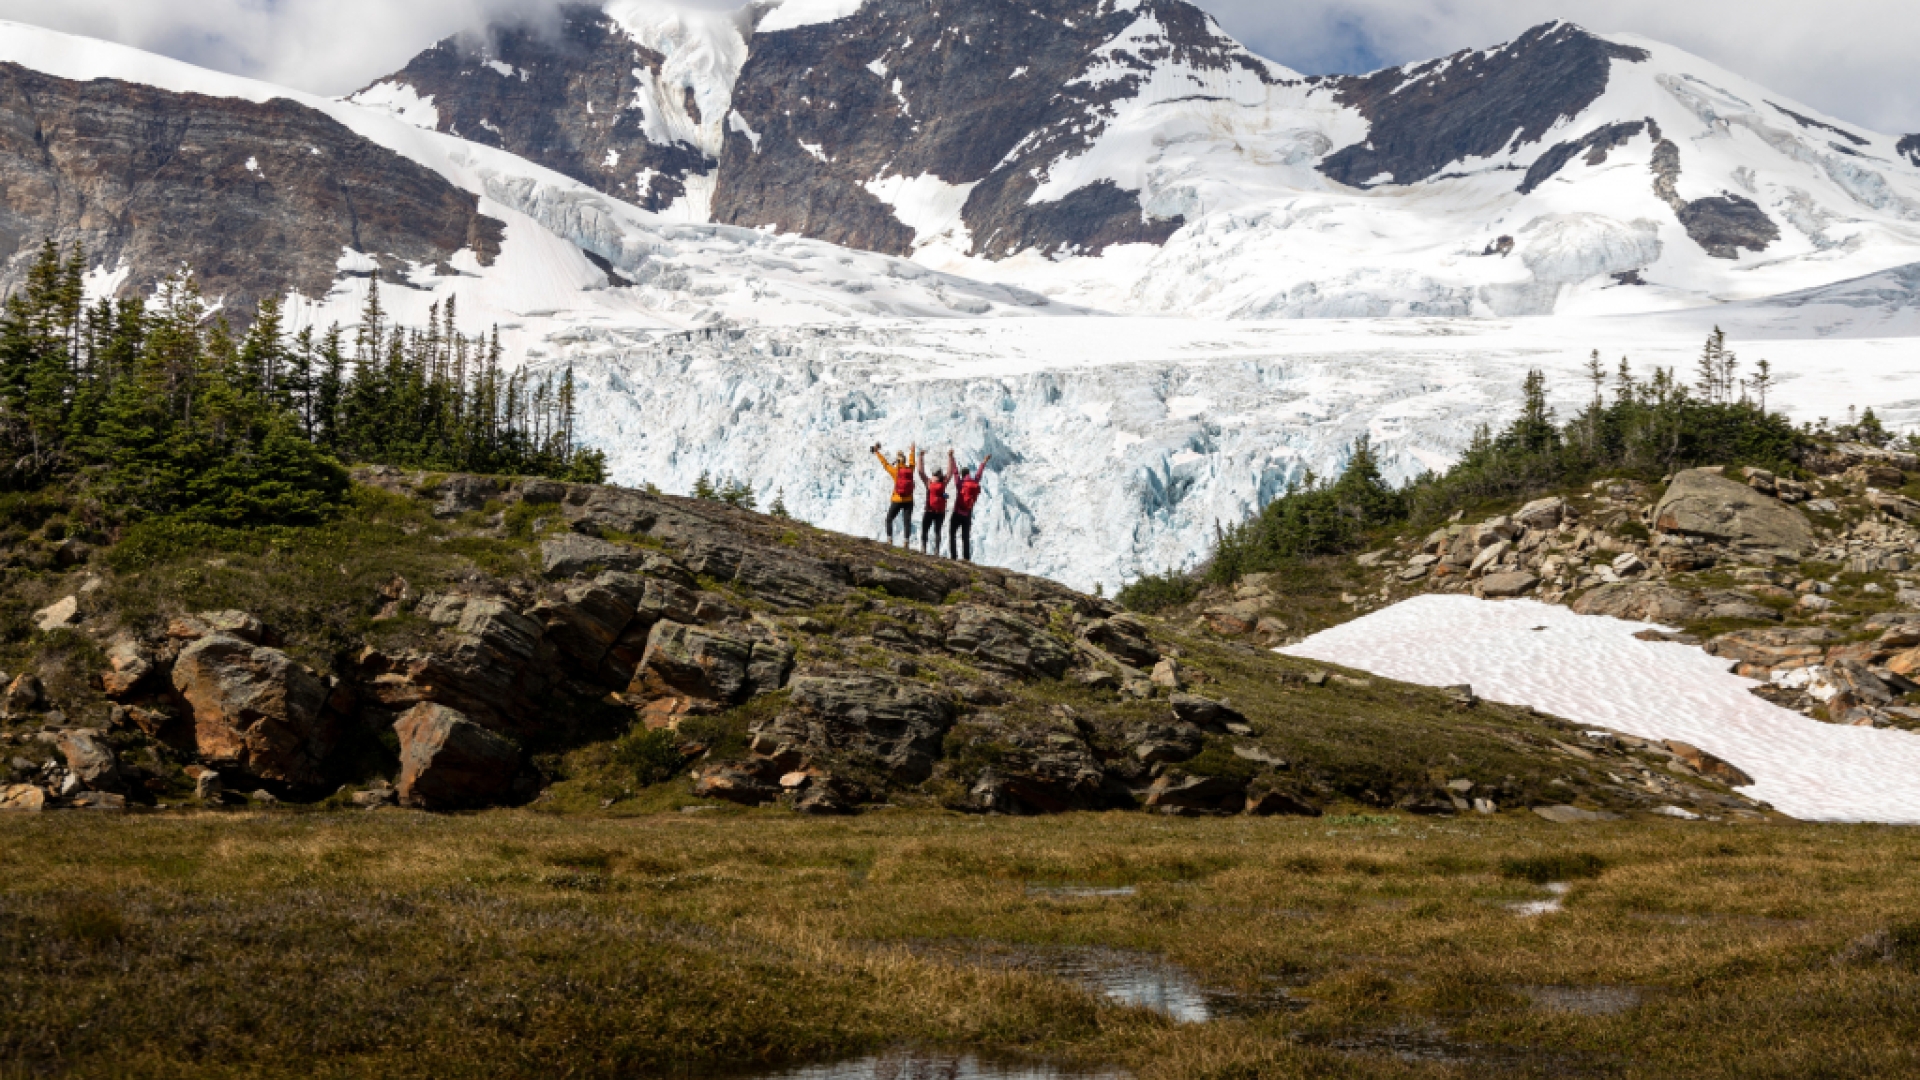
point(255, 709)
point(1709, 766)
point(1703, 503)
point(571, 554)
point(90, 758)
point(448, 762)
point(1427, 116)
point(581, 98)
point(886, 722)
point(1177, 793)
point(1640, 602)
point(260, 198)
point(1001, 640)
point(1910, 146)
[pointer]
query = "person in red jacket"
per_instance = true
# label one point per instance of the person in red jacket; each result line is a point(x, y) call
point(901, 470)
point(960, 537)
point(934, 520)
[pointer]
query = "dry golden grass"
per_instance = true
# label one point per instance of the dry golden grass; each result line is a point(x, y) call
point(514, 944)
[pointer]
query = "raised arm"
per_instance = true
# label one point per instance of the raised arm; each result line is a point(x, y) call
point(953, 467)
point(982, 471)
point(922, 466)
point(884, 463)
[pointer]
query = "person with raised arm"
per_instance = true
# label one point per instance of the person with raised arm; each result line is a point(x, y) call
point(901, 470)
point(933, 521)
point(960, 532)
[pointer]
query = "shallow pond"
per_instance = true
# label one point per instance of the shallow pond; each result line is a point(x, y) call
point(913, 1064)
point(1139, 979)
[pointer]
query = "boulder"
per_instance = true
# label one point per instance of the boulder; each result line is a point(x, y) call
point(1124, 638)
point(1705, 504)
point(1707, 765)
point(1543, 513)
point(595, 510)
point(1044, 770)
point(1176, 792)
point(1267, 802)
point(689, 662)
point(232, 623)
point(24, 695)
point(1639, 601)
point(1166, 673)
point(1516, 583)
point(889, 722)
point(463, 494)
point(1782, 648)
point(1001, 640)
point(448, 762)
point(494, 668)
point(255, 709)
point(1204, 712)
point(743, 782)
point(1895, 506)
point(91, 759)
point(27, 797)
point(1153, 743)
point(587, 623)
point(571, 554)
point(62, 614)
point(1235, 619)
point(128, 665)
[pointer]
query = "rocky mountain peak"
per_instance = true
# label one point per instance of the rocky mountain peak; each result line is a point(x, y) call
point(1475, 103)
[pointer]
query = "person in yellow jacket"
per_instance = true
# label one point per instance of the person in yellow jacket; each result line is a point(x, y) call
point(901, 470)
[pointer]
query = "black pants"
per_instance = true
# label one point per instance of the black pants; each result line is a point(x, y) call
point(903, 511)
point(960, 539)
point(932, 522)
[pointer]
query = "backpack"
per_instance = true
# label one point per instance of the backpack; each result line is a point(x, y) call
point(969, 493)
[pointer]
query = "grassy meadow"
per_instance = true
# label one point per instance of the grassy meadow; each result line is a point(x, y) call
point(517, 943)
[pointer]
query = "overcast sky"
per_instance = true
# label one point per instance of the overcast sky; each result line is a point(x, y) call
point(1855, 59)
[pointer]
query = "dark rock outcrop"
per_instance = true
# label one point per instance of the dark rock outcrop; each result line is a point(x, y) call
point(987, 93)
point(1724, 224)
point(258, 198)
point(448, 762)
point(1910, 147)
point(1472, 104)
point(568, 97)
point(1595, 143)
point(1000, 640)
point(876, 721)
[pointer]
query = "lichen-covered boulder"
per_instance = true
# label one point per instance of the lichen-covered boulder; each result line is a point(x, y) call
point(1703, 503)
point(448, 762)
point(255, 709)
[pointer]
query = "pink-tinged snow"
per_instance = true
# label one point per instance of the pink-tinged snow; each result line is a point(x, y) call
point(1592, 670)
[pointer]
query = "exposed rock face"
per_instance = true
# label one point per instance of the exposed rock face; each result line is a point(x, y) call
point(1472, 104)
point(873, 720)
point(987, 94)
point(995, 638)
point(1640, 602)
point(259, 198)
point(1705, 504)
point(255, 709)
point(448, 762)
point(587, 101)
point(1724, 224)
point(1595, 143)
point(1910, 146)
point(90, 758)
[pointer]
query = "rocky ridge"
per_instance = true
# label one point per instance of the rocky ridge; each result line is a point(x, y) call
point(758, 660)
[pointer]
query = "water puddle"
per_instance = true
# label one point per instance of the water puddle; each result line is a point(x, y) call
point(1430, 1046)
point(1584, 1000)
point(1551, 904)
point(1080, 892)
point(1137, 979)
point(909, 1064)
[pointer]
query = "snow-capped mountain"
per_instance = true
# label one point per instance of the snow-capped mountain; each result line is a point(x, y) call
point(1129, 155)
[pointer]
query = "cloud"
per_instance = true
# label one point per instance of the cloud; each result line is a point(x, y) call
point(1850, 58)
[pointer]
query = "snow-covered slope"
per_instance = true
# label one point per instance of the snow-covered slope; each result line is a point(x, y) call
point(1128, 155)
point(1592, 670)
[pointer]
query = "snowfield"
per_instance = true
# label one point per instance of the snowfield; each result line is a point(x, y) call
point(1592, 670)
